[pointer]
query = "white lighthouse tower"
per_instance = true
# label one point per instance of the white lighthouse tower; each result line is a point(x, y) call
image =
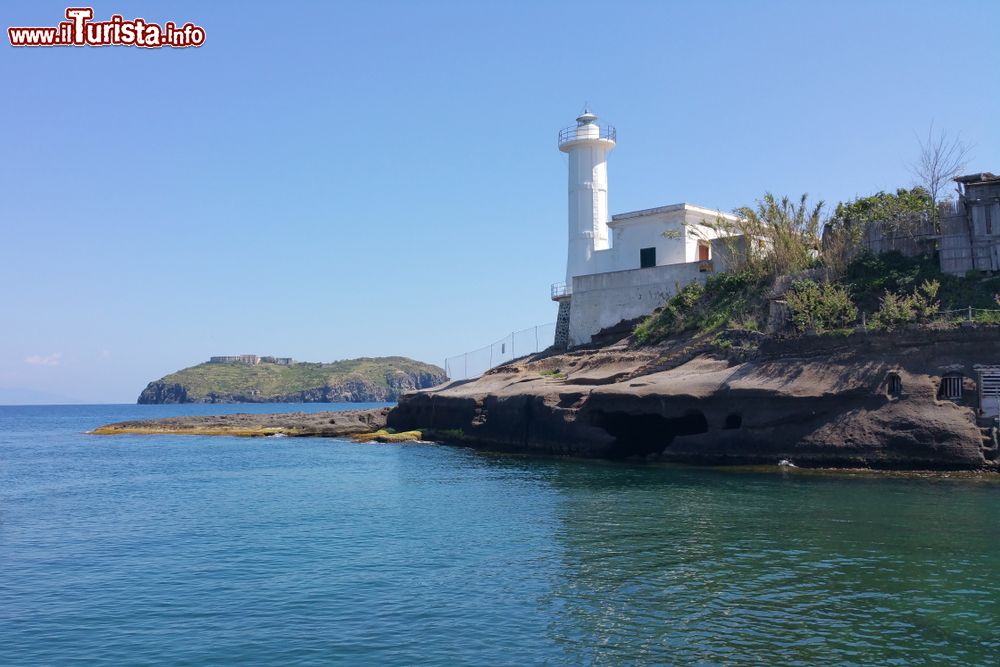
point(587, 144)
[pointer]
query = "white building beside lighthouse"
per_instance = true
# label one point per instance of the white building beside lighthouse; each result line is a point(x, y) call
point(625, 268)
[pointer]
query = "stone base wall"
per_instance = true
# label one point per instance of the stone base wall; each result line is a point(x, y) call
point(562, 325)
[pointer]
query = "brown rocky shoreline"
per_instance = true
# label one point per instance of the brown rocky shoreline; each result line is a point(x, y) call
point(863, 401)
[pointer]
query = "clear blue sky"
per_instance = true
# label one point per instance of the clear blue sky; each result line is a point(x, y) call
point(330, 180)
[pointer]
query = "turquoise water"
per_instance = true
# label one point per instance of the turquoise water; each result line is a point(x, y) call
point(191, 550)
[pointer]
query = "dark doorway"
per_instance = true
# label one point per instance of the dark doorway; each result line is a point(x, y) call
point(647, 257)
point(895, 386)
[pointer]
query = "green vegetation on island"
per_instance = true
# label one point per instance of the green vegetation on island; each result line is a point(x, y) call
point(353, 380)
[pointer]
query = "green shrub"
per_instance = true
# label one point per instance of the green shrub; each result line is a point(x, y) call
point(776, 236)
point(924, 299)
point(820, 306)
point(869, 276)
point(903, 214)
point(671, 318)
point(897, 309)
point(894, 311)
point(896, 210)
point(725, 300)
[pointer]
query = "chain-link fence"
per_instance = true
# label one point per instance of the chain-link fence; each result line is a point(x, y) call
point(515, 344)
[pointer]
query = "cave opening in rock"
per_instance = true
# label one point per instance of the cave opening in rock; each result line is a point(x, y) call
point(734, 420)
point(640, 435)
point(894, 385)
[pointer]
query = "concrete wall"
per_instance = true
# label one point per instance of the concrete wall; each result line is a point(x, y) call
point(605, 299)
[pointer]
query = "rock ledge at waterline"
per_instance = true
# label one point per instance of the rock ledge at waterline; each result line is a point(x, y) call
point(295, 424)
point(816, 401)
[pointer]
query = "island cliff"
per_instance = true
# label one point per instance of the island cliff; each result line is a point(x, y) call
point(865, 400)
point(356, 380)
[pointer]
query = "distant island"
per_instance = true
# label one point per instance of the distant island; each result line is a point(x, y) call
point(253, 379)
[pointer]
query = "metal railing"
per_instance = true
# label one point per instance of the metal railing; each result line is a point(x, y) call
point(560, 291)
point(956, 316)
point(583, 132)
point(968, 314)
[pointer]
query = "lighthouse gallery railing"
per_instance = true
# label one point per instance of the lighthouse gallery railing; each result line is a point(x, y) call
point(568, 134)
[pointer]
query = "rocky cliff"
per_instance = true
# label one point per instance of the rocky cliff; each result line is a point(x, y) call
point(864, 400)
point(354, 380)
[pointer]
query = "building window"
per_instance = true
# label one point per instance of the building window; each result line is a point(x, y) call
point(704, 251)
point(989, 219)
point(647, 258)
point(951, 387)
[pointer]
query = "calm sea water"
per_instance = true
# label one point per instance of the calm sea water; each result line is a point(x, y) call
point(191, 550)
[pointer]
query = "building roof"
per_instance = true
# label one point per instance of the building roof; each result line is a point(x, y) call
point(982, 177)
point(671, 208)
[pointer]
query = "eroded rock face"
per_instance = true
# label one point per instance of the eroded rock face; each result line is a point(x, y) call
point(162, 392)
point(822, 402)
